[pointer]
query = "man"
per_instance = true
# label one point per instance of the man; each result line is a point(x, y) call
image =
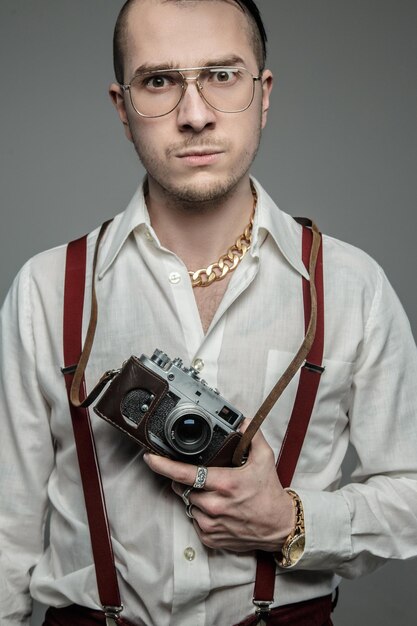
point(197, 131)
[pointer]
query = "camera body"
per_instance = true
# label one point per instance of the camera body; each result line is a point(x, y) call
point(170, 410)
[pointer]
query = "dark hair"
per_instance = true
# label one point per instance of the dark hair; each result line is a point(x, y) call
point(248, 6)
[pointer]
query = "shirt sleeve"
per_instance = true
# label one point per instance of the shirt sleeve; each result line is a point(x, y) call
point(26, 453)
point(353, 530)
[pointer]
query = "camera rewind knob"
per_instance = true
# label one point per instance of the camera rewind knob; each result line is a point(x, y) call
point(160, 358)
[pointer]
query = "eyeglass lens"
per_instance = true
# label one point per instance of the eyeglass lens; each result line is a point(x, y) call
point(226, 89)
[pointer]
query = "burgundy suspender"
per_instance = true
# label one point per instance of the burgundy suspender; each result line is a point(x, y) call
point(90, 473)
point(297, 426)
point(309, 375)
point(108, 588)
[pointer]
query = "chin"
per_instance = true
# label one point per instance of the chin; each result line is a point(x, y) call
point(203, 190)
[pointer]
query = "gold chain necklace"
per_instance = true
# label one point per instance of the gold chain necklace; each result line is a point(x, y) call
point(229, 261)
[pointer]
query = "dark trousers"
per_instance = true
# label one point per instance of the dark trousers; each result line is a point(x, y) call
point(75, 615)
point(310, 613)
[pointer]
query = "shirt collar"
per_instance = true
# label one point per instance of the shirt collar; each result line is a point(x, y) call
point(269, 219)
point(283, 228)
point(135, 215)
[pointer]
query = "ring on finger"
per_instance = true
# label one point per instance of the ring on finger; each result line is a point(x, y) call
point(185, 495)
point(200, 477)
point(188, 511)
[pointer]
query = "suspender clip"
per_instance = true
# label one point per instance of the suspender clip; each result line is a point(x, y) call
point(263, 610)
point(112, 614)
point(263, 607)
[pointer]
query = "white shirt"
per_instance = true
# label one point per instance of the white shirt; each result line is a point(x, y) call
point(167, 578)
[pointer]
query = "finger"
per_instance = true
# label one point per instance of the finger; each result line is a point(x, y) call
point(207, 533)
point(210, 503)
point(179, 488)
point(177, 471)
point(205, 523)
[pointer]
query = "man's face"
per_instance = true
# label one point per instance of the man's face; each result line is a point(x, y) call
point(194, 153)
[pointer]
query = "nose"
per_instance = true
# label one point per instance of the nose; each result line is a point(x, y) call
point(193, 112)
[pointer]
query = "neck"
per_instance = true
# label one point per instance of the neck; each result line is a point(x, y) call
point(199, 232)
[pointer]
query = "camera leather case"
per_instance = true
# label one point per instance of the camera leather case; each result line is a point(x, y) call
point(135, 376)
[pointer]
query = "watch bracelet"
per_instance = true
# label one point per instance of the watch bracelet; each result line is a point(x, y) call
point(282, 558)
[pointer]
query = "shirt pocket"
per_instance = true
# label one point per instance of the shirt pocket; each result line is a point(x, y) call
point(329, 418)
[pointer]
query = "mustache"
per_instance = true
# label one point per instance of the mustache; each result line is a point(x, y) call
point(199, 144)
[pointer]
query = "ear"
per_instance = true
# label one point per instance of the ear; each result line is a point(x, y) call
point(267, 82)
point(118, 98)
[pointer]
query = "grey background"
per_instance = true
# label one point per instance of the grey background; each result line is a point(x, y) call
point(340, 147)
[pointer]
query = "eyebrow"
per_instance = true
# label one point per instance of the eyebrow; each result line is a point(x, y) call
point(229, 61)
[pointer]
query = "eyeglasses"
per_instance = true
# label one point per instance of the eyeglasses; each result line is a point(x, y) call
point(225, 89)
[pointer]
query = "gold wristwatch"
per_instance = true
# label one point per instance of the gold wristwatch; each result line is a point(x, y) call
point(293, 547)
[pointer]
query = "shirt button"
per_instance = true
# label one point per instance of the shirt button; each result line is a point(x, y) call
point(198, 364)
point(189, 553)
point(174, 278)
point(148, 235)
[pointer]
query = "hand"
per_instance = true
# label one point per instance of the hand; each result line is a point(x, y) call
point(241, 508)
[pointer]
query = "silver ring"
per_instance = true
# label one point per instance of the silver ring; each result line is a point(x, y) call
point(185, 495)
point(200, 478)
point(188, 511)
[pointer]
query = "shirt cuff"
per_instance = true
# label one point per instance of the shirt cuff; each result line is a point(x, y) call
point(328, 530)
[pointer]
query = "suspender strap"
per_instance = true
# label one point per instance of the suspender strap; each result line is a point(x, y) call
point(309, 376)
point(90, 472)
point(299, 420)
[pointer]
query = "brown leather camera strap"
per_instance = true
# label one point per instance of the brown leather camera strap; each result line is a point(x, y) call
point(310, 375)
point(311, 247)
point(107, 584)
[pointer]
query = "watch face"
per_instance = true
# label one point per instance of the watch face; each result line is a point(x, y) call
point(296, 549)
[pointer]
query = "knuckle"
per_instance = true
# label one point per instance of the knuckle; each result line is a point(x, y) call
point(215, 509)
point(206, 526)
point(207, 540)
point(227, 487)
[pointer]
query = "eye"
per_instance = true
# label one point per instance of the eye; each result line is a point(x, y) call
point(224, 76)
point(158, 81)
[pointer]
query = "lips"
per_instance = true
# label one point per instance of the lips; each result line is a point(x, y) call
point(196, 152)
point(199, 157)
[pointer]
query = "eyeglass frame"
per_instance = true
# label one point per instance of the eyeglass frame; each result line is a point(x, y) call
point(184, 85)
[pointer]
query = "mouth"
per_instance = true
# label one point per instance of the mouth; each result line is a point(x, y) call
point(199, 157)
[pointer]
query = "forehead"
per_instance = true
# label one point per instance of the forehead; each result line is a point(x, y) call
point(186, 34)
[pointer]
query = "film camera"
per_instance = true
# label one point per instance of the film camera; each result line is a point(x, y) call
point(167, 408)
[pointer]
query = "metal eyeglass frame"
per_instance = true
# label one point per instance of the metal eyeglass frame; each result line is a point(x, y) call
point(186, 80)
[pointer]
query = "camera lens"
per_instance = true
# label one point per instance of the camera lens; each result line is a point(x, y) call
point(188, 429)
point(190, 434)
